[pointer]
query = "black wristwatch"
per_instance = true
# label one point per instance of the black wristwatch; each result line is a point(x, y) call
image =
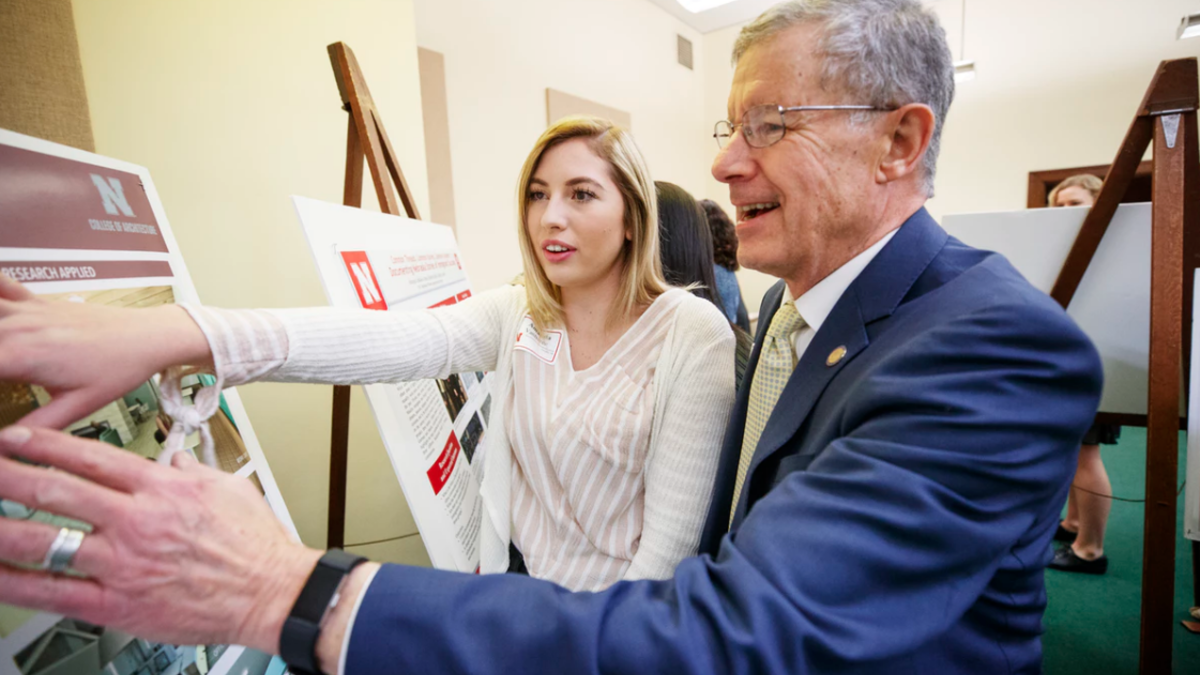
point(298, 642)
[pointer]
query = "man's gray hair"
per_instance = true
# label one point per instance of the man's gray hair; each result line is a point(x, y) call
point(885, 53)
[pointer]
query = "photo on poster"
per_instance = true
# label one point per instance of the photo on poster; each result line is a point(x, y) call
point(72, 647)
point(80, 227)
point(470, 438)
point(136, 421)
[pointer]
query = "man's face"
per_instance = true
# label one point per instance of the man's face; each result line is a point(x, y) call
point(804, 204)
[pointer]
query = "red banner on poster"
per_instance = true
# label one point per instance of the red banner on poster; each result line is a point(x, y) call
point(363, 278)
point(443, 468)
point(53, 202)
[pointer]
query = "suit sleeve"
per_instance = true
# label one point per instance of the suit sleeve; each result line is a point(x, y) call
point(891, 535)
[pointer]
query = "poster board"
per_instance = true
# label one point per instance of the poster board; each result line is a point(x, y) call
point(432, 429)
point(80, 227)
point(1112, 304)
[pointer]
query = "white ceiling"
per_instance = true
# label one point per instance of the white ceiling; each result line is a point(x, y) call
point(738, 11)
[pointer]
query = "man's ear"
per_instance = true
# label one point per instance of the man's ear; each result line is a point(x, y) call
point(910, 129)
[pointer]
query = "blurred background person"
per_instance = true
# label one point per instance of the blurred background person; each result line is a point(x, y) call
point(1082, 531)
point(686, 246)
point(725, 247)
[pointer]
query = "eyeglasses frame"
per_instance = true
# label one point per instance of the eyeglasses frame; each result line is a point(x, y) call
point(783, 111)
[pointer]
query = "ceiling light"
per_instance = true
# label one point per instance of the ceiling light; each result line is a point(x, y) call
point(1189, 27)
point(964, 71)
point(697, 6)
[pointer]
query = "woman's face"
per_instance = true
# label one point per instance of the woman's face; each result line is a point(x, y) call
point(1073, 196)
point(576, 217)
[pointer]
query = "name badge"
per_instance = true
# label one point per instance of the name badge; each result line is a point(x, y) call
point(543, 346)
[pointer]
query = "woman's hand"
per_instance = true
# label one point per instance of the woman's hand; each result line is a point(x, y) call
point(187, 556)
point(88, 355)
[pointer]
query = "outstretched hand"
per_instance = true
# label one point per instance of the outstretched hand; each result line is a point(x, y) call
point(88, 355)
point(186, 555)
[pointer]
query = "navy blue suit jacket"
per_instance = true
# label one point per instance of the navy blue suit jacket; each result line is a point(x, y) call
point(896, 519)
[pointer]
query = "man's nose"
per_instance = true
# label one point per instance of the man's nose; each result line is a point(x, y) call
point(733, 162)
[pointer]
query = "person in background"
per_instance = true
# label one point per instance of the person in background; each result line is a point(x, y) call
point(725, 263)
point(685, 244)
point(687, 257)
point(1078, 190)
point(1082, 531)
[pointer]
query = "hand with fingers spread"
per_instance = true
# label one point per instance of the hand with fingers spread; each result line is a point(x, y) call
point(87, 355)
point(183, 554)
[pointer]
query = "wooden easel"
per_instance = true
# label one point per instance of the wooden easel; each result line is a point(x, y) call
point(1167, 117)
point(365, 136)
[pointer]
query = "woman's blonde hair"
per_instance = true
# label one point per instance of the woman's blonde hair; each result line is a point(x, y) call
point(1084, 180)
point(642, 277)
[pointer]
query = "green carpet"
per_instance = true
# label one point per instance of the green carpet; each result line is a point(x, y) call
point(1092, 623)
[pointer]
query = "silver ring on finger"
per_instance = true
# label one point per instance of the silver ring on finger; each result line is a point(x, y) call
point(62, 551)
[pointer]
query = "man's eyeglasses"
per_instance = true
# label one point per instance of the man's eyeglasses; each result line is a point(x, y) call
point(763, 125)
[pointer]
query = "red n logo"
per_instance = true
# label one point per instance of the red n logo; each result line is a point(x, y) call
point(364, 280)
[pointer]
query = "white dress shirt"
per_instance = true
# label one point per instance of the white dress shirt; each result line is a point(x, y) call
point(816, 304)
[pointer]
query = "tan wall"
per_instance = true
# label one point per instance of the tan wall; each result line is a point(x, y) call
point(501, 57)
point(41, 81)
point(233, 107)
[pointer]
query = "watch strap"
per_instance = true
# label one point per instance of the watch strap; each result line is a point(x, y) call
point(298, 641)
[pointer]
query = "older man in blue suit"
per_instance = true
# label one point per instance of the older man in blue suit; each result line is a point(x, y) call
point(891, 479)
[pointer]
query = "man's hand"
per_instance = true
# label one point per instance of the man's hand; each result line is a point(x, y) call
point(88, 355)
point(186, 555)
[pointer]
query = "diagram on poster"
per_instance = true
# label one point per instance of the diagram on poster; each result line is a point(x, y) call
point(432, 429)
point(79, 227)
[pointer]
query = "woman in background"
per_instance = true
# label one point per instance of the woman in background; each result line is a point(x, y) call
point(687, 257)
point(612, 390)
point(725, 246)
point(1088, 506)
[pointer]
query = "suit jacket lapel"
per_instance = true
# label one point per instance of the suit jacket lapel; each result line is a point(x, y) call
point(875, 294)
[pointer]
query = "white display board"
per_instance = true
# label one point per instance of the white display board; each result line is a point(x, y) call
point(79, 227)
point(432, 429)
point(1112, 304)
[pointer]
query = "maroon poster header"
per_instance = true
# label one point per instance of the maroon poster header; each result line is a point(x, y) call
point(52, 202)
point(27, 271)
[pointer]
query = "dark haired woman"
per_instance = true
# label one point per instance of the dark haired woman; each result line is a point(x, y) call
point(725, 246)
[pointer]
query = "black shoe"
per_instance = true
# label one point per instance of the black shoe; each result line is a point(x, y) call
point(1064, 535)
point(1065, 560)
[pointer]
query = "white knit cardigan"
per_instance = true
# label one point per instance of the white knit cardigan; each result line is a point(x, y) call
point(693, 389)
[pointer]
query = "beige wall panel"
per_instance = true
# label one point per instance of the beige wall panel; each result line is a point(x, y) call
point(437, 136)
point(560, 104)
point(233, 108)
point(41, 81)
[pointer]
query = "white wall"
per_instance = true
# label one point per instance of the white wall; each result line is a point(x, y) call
point(501, 57)
point(233, 107)
point(1057, 86)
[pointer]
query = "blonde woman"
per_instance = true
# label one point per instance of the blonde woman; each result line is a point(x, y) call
point(601, 454)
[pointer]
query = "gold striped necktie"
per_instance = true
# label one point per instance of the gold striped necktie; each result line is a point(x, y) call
point(775, 366)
